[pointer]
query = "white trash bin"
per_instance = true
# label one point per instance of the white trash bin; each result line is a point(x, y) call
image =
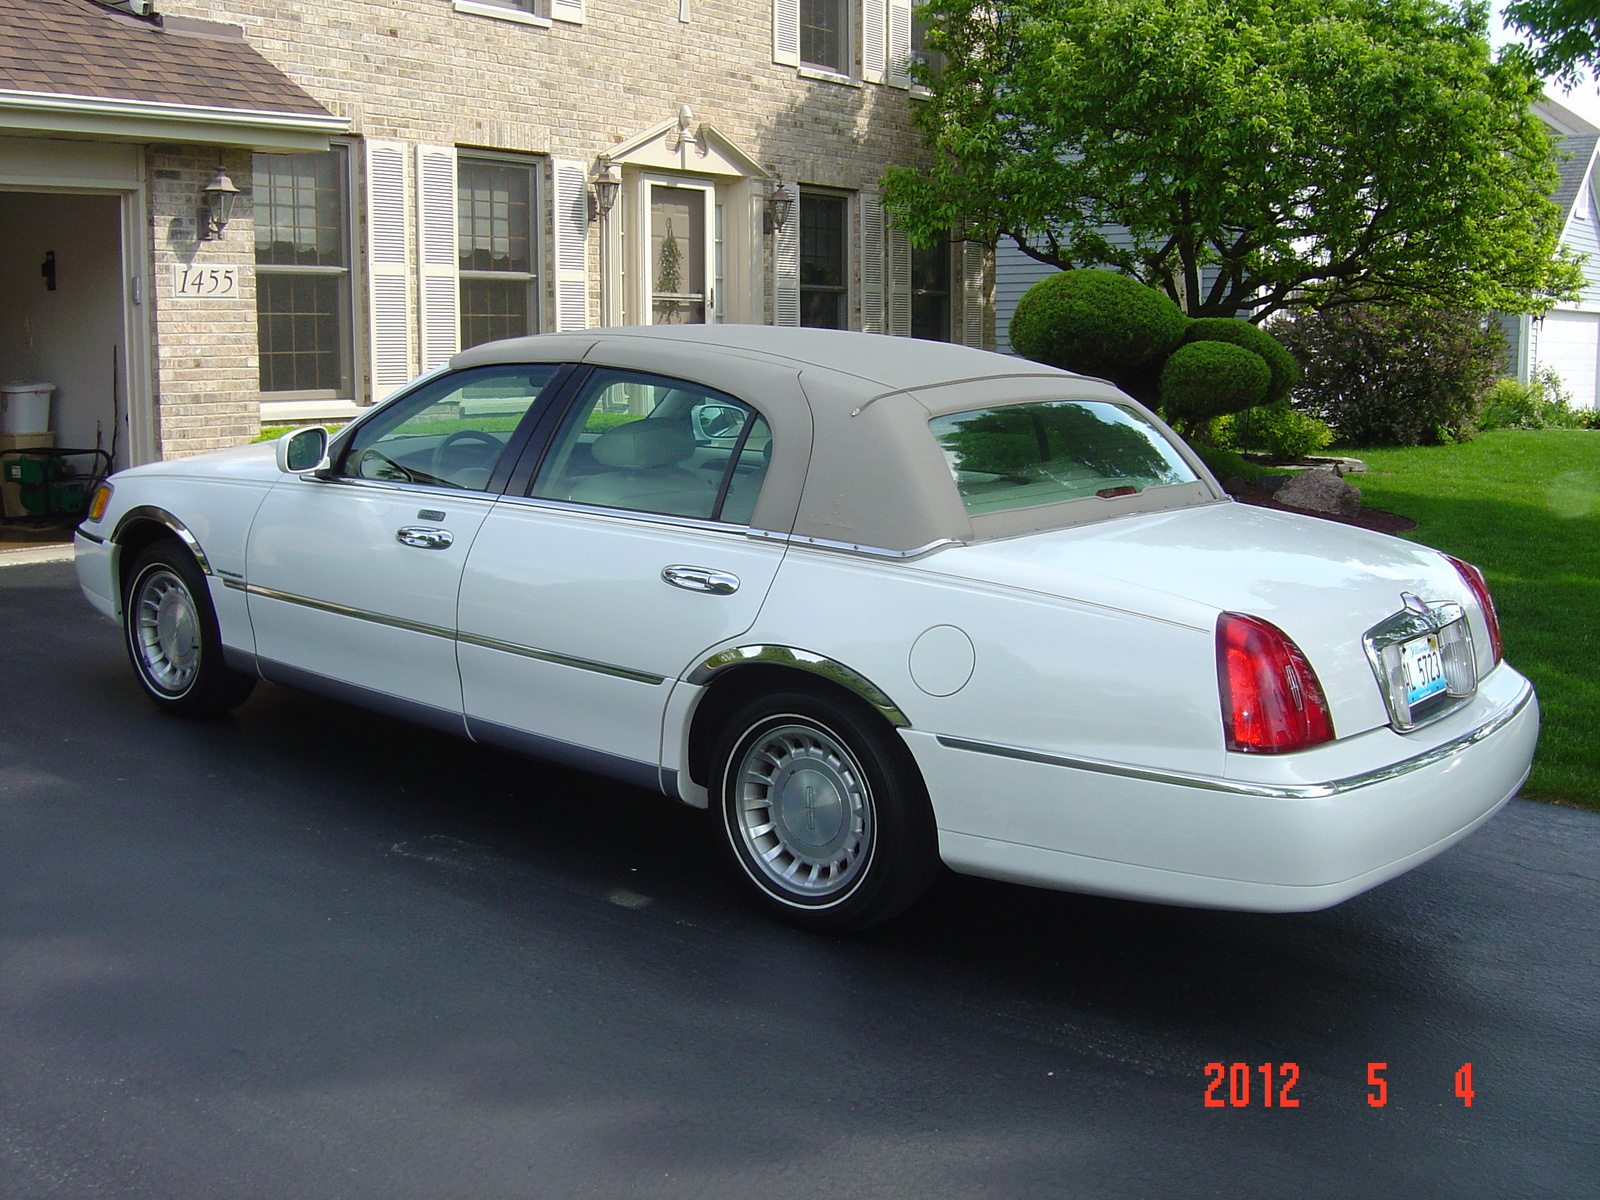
point(25, 407)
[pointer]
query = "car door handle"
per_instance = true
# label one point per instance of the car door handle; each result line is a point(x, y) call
point(424, 538)
point(701, 579)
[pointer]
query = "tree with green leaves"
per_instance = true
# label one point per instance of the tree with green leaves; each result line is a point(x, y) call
point(1243, 156)
point(1566, 33)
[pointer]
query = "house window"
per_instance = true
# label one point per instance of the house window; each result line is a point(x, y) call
point(494, 217)
point(303, 274)
point(823, 290)
point(824, 36)
point(930, 293)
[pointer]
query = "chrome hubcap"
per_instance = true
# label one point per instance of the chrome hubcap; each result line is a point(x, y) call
point(804, 810)
point(166, 630)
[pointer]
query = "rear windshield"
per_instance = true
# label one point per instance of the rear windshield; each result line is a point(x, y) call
point(1027, 454)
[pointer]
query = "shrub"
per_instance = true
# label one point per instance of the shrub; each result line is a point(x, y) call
point(1225, 464)
point(1284, 433)
point(1206, 379)
point(1098, 323)
point(1403, 377)
point(1542, 403)
point(1285, 371)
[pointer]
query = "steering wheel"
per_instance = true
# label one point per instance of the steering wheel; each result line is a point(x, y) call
point(441, 453)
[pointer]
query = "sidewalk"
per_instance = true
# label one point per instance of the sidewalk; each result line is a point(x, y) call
point(34, 544)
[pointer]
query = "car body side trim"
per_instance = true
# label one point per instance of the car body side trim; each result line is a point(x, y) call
point(816, 543)
point(89, 537)
point(471, 639)
point(568, 754)
point(1304, 791)
point(360, 614)
point(149, 512)
point(805, 660)
point(565, 660)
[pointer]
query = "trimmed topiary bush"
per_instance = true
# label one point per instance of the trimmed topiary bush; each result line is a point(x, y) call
point(1099, 323)
point(1202, 380)
point(1285, 371)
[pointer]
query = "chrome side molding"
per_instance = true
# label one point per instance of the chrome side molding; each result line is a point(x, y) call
point(805, 660)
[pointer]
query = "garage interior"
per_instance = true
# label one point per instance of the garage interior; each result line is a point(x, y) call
point(63, 323)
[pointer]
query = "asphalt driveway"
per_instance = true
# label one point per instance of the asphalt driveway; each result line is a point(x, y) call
point(307, 952)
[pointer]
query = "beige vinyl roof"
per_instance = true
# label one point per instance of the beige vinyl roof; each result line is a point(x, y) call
point(854, 462)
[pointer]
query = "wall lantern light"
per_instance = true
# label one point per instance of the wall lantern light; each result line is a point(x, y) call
point(607, 185)
point(779, 205)
point(218, 211)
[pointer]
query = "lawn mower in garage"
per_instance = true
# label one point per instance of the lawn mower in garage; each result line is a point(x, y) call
point(48, 482)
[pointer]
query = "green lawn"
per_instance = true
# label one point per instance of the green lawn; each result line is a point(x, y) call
point(1524, 506)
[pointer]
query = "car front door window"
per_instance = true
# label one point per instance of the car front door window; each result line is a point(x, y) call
point(450, 433)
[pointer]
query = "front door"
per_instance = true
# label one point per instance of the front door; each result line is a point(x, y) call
point(680, 252)
point(352, 579)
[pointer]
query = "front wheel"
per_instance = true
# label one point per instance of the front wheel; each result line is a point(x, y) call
point(172, 636)
point(823, 812)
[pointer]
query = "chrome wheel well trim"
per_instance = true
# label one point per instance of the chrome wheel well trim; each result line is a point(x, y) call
point(1239, 787)
point(160, 516)
point(803, 660)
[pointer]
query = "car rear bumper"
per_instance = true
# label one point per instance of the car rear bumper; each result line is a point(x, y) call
point(1287, 839)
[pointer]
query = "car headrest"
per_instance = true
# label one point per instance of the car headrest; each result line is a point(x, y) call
point(644, 443)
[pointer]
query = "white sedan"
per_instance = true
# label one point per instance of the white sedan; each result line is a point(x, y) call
point(878, 604)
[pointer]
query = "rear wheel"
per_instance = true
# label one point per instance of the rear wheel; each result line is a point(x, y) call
point(823, 812)
point(171, 632)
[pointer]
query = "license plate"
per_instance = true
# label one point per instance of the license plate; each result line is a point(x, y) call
point(1422, 667)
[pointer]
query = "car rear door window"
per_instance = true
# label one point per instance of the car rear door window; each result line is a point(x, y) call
point(651, 444)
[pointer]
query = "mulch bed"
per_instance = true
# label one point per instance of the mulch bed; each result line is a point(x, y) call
point(1367, 518)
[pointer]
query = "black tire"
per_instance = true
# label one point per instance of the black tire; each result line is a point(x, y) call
point(170, 629)
point(823, 811)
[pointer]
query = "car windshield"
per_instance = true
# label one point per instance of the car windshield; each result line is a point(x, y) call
point(1038, 453)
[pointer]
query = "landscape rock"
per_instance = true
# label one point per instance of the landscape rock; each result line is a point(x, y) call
point(1321, 492)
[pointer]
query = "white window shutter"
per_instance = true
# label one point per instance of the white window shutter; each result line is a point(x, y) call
point(899, 42)
point(786, 271)
point(872, 263)
point(571, 224)
point(786, 32)
point(899, 283)
point(437, 256)
point(974, 264)
point(874, 34)
point(388, 298)
point(570, 11)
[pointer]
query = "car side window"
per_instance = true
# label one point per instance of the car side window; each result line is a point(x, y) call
point(450, 432)
point(647, 443)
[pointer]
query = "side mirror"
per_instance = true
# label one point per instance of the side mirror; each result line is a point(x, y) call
point(301, 451)
point(716, 422)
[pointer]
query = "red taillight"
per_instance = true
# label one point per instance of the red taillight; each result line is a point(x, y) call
point(1480, 588)
point(1271, 699)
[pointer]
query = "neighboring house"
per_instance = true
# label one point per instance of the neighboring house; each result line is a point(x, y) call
point(416, 176)
point(1566, 338)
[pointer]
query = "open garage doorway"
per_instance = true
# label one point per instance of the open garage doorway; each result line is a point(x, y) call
point(62, 311)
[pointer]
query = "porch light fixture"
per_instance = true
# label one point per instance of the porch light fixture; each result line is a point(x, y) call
point(218, 211)
point(606, 186)
point(779, 205)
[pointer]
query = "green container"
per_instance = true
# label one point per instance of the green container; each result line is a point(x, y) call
point(24, 470)
point(67, 496)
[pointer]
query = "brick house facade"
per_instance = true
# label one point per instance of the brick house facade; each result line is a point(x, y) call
point(418, 175)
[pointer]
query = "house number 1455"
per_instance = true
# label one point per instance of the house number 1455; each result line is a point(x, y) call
point(204, 282)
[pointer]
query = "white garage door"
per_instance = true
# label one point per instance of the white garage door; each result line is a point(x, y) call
point(1570, 344)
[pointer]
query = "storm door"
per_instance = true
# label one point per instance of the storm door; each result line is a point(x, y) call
point(680, 251)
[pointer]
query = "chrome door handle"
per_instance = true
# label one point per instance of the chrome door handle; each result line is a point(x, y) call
point(701, 579)
point(424, 538)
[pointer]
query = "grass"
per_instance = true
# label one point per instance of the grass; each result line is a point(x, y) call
point(1525, 507)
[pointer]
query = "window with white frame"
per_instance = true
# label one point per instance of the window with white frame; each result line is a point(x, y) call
point(495, 206)
point(825, 35)
point(303, 301)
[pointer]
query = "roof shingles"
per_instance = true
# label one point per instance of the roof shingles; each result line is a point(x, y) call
point(78, 48)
